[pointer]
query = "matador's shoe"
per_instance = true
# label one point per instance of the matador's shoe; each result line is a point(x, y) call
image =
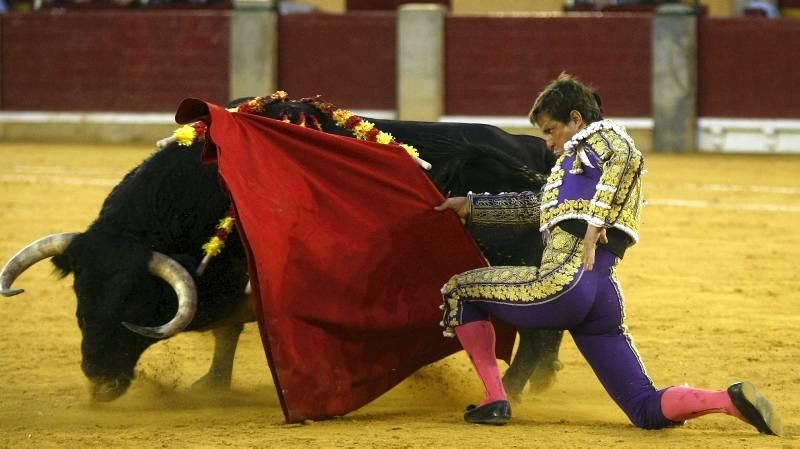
point(496, 413)
point(755, 407)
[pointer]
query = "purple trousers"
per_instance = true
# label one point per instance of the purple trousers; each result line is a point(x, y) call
point(561, 295)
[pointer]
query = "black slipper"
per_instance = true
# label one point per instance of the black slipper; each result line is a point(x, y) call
point(755, 407)
point(496, 413)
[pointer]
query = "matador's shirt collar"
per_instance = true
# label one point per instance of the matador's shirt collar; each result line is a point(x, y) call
point(594, 127)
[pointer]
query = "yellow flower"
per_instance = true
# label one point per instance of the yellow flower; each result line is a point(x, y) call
point(362, 129)
point(410, 150)
point(185, 135)
point(341, 116)
point(255, 103)
point(226, 224)
point(384, 138)
point(213, 246)
point(279, 95)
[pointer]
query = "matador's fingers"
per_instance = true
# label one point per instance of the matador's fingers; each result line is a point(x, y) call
point(460, 204)
point(588, 257)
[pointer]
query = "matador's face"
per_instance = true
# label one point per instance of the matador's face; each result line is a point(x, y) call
point(557, 133)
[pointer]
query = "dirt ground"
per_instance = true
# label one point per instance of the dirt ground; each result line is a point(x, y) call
point(711, 294)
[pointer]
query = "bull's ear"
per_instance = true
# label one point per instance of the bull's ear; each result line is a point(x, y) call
point(63, 265)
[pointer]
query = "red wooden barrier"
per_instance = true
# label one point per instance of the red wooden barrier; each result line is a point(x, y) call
point(496, 66)
point(149, 60)
point(350, 59)
point(749, 68)
point(112, 61)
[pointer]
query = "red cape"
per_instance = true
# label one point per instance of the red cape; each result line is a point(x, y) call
point(346, 256)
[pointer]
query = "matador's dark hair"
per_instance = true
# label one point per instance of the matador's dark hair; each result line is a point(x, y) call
point(564, 95)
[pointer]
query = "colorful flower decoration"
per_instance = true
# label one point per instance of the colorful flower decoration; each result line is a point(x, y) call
point(362, 129)
point(187, 134)
point(217, 242)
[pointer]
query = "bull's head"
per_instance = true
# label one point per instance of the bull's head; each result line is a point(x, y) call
point(117, 282)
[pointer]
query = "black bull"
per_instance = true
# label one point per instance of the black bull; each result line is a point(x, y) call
point(154, 222)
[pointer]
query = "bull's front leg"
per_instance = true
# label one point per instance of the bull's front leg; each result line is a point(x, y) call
point(226, 338)
point(219, 375)
point(536, 361)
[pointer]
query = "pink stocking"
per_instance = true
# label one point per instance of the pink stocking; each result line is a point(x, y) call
point(682, 403)
point(478, 340)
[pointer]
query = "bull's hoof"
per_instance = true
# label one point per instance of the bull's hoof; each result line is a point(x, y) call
point(513, 387)
point(755, 407)
point(495, 413)
point(211, 382)
point(107, 390)
point(545, 376)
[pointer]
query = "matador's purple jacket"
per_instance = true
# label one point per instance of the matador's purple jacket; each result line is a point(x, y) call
point(597, 180)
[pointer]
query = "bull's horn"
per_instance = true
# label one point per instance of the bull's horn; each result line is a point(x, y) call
point(175, 275)
point(45, 247)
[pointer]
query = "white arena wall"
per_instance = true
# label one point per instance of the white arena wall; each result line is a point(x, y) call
point(714, 135)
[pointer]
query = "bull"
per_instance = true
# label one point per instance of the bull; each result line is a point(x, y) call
point(134, 266)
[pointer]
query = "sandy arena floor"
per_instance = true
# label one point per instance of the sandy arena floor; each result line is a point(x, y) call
point(712, 297)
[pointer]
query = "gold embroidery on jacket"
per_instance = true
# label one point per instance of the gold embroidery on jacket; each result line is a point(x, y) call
point(550, 193)
point(617, 201)
point(621, 169)
point(505, 209)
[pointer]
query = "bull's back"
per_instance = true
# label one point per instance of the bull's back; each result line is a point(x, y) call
point(438, 141)
point(171, 200)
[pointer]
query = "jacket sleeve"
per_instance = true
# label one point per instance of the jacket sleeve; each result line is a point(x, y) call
point(622, 165)
point(504, 209)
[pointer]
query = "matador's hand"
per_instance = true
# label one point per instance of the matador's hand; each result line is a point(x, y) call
point(593, 234)
point(460, 204)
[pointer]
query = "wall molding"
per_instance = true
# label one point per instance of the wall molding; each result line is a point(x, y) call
point(730, 135)
point(715, 134)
